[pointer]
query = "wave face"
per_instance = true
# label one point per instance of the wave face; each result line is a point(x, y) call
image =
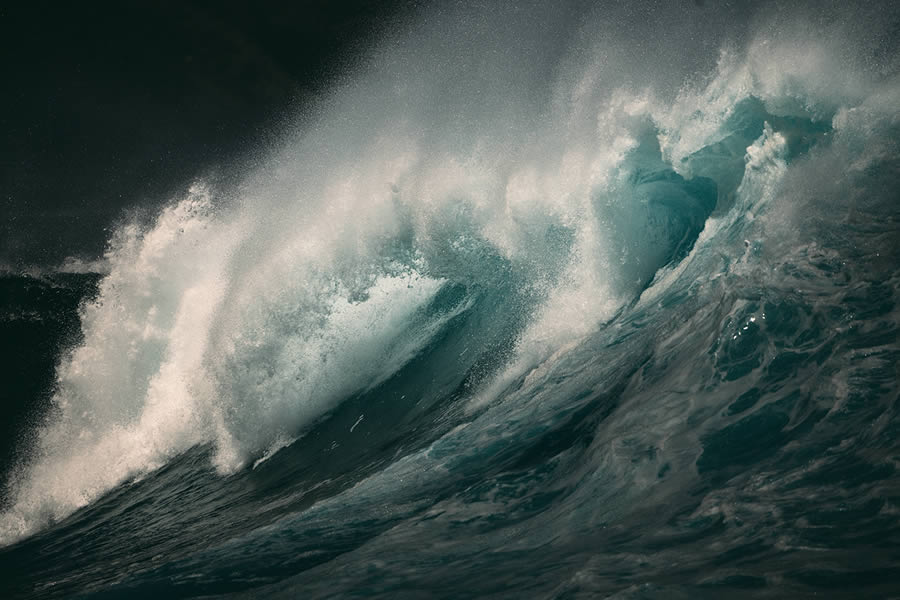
point(536, 303)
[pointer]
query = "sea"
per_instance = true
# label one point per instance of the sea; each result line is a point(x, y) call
point(532, 302)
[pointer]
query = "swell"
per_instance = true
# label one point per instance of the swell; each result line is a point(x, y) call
point(421, 299)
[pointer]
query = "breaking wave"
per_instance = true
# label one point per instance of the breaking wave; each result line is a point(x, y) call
point(524, 275)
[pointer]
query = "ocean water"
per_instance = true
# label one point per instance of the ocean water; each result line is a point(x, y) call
point(535, 303)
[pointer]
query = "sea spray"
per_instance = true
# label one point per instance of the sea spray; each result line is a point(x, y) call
point(613, 314)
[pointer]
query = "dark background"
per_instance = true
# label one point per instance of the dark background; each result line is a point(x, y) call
point(107, 107)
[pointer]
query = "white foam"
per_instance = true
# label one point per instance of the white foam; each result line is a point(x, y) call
point(240, 325)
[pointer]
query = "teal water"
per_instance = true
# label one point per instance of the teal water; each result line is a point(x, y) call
point(605, 340)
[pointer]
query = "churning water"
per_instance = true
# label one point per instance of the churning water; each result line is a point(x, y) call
point(536, 302)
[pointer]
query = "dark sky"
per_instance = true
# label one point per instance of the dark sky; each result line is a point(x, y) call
point(110, 106)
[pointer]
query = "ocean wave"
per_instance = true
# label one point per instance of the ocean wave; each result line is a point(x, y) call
point(492, 276)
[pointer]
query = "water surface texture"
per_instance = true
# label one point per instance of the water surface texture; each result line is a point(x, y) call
point(537, 301)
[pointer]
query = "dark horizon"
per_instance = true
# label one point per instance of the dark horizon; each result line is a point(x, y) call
point(116, 108)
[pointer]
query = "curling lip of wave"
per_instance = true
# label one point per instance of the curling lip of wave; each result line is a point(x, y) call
point(243, 325)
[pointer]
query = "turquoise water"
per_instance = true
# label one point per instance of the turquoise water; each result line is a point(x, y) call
point(574, 315)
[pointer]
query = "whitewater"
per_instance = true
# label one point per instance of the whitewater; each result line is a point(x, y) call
point(536, 301)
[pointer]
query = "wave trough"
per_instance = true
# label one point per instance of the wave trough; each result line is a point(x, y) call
point(542, 304)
